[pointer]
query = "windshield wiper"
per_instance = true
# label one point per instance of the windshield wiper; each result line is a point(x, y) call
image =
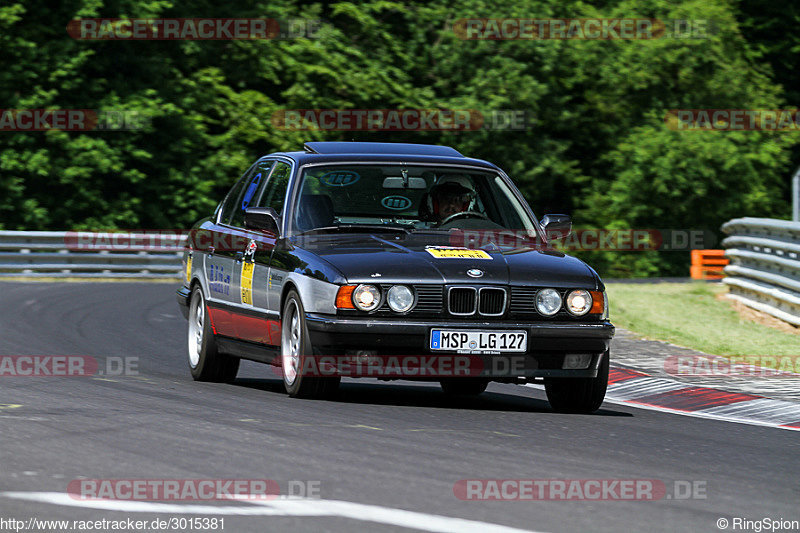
point(357, 228)
point(432, 230)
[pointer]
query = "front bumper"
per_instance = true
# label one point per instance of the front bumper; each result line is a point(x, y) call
point(548, 342)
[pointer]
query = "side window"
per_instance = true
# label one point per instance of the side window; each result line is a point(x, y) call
point(274, 193)
point(229, 203)
point(247, 198)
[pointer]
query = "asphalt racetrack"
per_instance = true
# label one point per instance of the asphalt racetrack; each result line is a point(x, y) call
point(377, 457)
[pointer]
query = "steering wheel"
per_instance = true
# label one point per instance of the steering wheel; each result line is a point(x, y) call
point(463, 214)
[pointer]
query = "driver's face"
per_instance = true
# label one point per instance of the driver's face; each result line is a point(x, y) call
point(450, 205)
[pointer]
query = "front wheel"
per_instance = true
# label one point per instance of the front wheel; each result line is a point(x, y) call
point(205, 361)
point(579, 395)
point(295, 347)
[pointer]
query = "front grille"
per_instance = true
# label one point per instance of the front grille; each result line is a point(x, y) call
point(492, 301)
point(429, 301)
point(486, 301)
point(522, 301)
point(461, 300)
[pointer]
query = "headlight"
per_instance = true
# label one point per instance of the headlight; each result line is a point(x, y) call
point(579, 302)
point(400, 298)
point(367, 297)
point(548, 302)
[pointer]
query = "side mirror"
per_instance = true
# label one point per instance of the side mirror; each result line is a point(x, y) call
point(262, 218)
point(556, 226)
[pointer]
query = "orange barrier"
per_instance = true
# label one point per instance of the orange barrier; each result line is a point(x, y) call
point(708, 264)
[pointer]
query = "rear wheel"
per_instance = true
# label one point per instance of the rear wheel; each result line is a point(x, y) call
point(295, 348)
point(464, 386)
point(579, 395)
point(206, 363)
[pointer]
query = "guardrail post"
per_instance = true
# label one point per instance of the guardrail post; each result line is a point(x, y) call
point(65, 270)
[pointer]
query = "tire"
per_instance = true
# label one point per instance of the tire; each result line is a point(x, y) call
point(464, 386)
point(206, 363)
point(580, 395)
point(295, 346)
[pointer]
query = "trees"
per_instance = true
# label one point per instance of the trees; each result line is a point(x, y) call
point(597, 148)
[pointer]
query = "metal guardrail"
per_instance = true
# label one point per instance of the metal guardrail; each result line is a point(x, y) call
point(764, 272)
point(90, 255)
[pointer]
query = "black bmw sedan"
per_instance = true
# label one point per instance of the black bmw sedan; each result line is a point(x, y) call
point(395, 261)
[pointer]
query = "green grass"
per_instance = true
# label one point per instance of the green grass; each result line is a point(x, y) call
point(690, 315)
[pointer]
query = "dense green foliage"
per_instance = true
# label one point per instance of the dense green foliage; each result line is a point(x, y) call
point(598, 149)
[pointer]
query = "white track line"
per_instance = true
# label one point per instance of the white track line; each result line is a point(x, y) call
point(282, 507)
point(725, 413)
point(698, 414)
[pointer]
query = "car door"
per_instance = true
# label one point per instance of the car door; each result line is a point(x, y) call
point(219, 258)
point(256, 322)
point(275, 198)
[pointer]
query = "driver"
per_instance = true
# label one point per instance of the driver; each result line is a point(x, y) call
point(448, 199)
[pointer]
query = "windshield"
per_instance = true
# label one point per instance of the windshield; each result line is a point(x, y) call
point(413, 198)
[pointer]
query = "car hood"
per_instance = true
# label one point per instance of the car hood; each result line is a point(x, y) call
point(364, 258)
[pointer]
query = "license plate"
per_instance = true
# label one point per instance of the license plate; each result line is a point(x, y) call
point(479, 341)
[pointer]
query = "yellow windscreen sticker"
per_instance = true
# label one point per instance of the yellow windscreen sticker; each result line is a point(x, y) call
point(247, 283)
point(457, 253)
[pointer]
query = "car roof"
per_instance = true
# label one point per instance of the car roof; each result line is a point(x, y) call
point(333, 152)
point(320, 147)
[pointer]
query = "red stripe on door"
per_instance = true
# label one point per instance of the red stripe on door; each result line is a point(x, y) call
point(246, 327)
point(223, 321)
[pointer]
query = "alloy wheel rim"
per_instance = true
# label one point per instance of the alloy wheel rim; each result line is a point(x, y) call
point(196, 324)
point(290, 344)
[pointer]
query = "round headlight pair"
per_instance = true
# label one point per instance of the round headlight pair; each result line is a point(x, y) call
point(548, 302)
point(368, 298)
